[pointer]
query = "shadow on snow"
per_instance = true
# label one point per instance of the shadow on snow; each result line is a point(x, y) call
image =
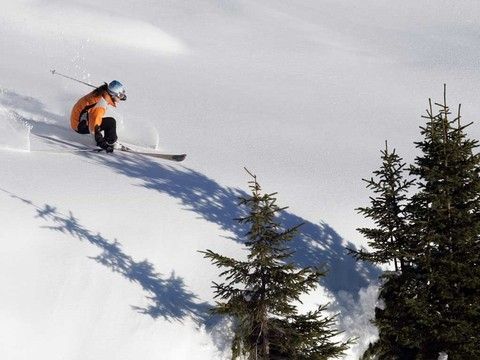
point(316, 245)
point(168, 296)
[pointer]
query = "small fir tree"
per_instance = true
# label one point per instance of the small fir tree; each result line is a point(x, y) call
point(259, 293)
point(387, 210)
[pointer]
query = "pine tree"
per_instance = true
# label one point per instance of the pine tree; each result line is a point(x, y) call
point(445, 216)
point(260, 292)
point(432, 301)
point(390, 244)
point(387, 210)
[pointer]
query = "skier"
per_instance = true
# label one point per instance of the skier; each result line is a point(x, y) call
point(88, 114)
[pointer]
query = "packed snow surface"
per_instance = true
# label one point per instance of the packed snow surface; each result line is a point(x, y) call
point(99, 253)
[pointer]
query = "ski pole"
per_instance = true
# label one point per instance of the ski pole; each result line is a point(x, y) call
point(54, 72)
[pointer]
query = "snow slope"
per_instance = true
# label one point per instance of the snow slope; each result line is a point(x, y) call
point(98, 255)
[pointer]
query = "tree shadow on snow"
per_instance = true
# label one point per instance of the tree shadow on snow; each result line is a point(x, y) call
point(168, 296)
point(316, 245)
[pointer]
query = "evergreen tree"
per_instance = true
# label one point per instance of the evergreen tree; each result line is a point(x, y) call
point(260, 292)
point(390, 244)
point(445, 217)
point(432, 301)
point(387, 210)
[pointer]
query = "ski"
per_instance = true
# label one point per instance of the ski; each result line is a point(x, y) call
point(119, 147)
point(147, 152)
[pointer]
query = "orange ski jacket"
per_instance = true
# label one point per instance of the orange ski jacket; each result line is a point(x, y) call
point(92, 108)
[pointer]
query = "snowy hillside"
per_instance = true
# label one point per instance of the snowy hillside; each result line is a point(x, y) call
point(98, 256)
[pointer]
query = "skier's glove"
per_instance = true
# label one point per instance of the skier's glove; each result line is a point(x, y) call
point(98, 137)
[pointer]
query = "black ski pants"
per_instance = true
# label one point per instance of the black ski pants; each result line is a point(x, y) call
point(108, 126)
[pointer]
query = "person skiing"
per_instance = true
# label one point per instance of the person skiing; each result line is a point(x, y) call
point(87, 115)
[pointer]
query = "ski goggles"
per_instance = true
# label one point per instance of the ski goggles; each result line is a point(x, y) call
point(120, 96)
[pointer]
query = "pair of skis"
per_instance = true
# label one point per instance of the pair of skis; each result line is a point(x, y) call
point(121, 147)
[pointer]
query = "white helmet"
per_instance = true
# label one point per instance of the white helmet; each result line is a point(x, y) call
point(115, 88)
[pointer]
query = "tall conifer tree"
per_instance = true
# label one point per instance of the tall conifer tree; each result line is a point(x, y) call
point(445, 217)
point(260, 292)
point(389, 241)
point(432, 304)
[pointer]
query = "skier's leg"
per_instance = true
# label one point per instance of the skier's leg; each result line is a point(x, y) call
point(109, 127)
